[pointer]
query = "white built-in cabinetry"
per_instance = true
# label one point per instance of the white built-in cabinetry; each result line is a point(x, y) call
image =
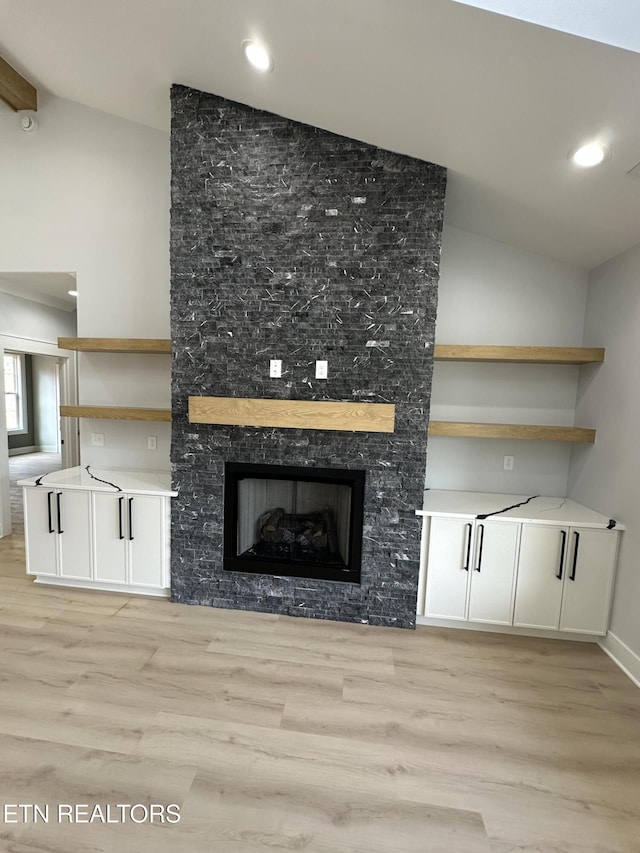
point(59, 535)
point(565, 578)
point(129, 536)
point(106, 531)
point(548, 565)
point(471, 570)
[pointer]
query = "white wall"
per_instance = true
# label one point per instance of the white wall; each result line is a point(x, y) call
point(606, 476)
point(45, 403)
point(89, 193)
point(27, 319)
point(492, 293)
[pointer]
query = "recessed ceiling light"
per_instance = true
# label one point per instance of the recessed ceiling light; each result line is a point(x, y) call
point(72, 292)
point(257, 55)
point(589, 155)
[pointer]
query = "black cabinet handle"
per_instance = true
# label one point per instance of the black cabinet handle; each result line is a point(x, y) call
point(466, 562)
point(58, 496)
point(564, 543)
point(130, 519)
point(51, 530)
point(481, 526)
point(572, 576)
point(120, 533)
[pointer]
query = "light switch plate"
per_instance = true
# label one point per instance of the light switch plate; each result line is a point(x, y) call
point(97, 439)
point(275, 368)
point(152, 442)
point(322, 369)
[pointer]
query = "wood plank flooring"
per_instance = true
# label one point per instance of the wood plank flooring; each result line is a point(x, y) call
point(282, 734)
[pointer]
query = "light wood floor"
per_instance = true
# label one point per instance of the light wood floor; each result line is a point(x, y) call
point(281, 734)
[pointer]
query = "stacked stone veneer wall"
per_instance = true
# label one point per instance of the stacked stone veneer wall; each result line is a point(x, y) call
point(291, 242)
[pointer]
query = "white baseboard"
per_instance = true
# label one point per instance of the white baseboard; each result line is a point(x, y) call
point(492, 628)
point(33, 448)
point(19, 451)
point(622, 656)
point(148, 591)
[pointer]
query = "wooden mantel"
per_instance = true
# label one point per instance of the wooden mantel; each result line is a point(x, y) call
point(293, 414)
point(15, 91)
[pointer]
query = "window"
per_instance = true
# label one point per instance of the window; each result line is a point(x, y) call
point(14, 392)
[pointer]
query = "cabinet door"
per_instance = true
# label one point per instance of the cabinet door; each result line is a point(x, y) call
point(589, 581)
point(448, 565)
point(41, 539)
point(146, 540)
point(540, 578)
point(493, 572)
point(110, 537)
point(74, 533)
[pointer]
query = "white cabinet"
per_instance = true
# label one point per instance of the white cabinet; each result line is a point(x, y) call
point(130, 536)
point(543, 551)
point(41, 534)
point(58, 533)
point(148, 532)
point(74, 534)
point(588, 584)
point(565, 578)
point(471, 569)
point(110, 543)
point(493, 572)
point(448, 572)
point(107, 531)
point(548, 564)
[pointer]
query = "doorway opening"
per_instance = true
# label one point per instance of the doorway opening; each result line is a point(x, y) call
point(35, 378)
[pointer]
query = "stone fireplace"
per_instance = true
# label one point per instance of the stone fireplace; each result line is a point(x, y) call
point(289, 242)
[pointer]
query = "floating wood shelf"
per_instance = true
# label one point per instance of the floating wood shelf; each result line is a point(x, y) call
point(136, 345)
point(115, 413)
point(293, 414)
point(521, 431)
point(521, 355)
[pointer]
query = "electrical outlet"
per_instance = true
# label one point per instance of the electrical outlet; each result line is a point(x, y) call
point(152, 442)
point(97, 439)
point(322, 369)
point(275, 368)
point(508, 463)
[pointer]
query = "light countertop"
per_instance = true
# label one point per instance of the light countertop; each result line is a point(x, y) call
point(538, 509)
point(140, 482)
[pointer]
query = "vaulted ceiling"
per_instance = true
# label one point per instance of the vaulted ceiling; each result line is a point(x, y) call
point(498, 101)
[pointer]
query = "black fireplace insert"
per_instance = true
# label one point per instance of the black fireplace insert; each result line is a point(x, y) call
point(293, 521)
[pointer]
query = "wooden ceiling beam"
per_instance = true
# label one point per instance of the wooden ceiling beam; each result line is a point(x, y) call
point(15, 91)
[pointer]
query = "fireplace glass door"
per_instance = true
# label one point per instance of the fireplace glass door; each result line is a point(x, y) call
point(299, 522)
